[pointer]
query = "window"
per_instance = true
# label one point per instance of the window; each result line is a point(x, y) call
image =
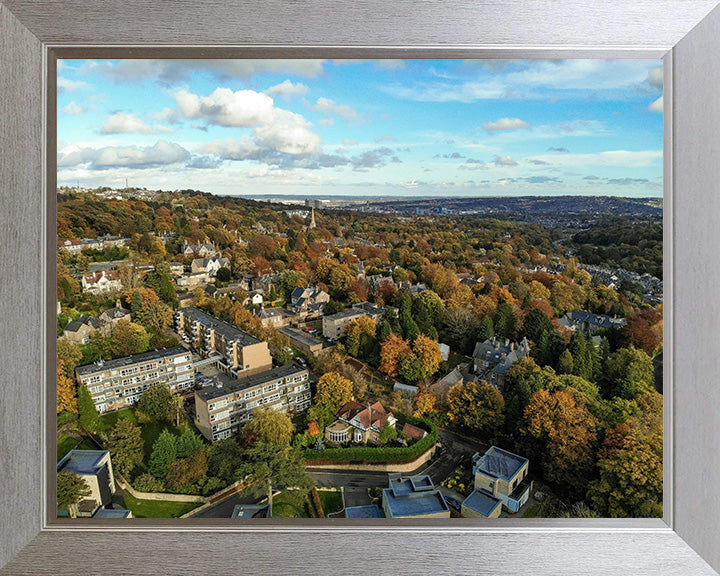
point(269, 388)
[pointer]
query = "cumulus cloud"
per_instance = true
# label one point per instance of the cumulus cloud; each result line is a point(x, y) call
point(289, 133)
point(73, 109)
point(286, 88)
point(328, 106)
point(204, 162)
point(161, 153)
point(451, 156)
point(504, 161)
point(124, 123)
point(506, 124)
point(656, 106)
point(227, 108)
point(66, 85)
point(174, 71)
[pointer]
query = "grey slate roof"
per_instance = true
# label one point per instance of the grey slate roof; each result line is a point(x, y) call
point(228, 331)
point(129, 360)
point(75, 325)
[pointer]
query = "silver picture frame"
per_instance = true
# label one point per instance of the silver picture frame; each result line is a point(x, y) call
point(685, 33)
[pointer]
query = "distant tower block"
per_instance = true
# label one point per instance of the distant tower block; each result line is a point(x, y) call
point(312, 219)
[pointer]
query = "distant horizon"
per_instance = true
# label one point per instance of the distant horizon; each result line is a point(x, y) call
point(364, 128)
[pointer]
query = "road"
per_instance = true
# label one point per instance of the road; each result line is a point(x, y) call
point(224, 508)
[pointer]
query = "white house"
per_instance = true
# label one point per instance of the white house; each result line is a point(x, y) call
point(102, 281)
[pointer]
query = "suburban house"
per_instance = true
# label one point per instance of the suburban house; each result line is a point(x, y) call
point(221, 410)
point(193, 280)
point(414, 497)
point(304, 342)
point(459, 374)
point(588, 322)
point(95, 467)
point(209, 266)
point(73, 246)
point(117, 384)
point(302, 299)
point(277, 317)
point(334, 324)
point(102, 281)
point(359, 423)
point(493, 358)
point(499, 476)
point(266, 282)
point(80, 330)
point(110, 317)
point(176, 268)
point(234, 351)
point(254, 298)
point(203, 250)
point(376, 281)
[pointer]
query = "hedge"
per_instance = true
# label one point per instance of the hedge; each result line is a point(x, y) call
point(370, 454)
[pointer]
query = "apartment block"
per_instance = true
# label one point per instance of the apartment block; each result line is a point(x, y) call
point(222, 410)
point(117, 384)
point(237, 353)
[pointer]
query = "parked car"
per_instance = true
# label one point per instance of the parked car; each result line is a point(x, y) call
point(452, 502)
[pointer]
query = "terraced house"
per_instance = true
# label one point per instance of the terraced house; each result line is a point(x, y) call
point(236, 352)
point(222, 410)
point(117, 384)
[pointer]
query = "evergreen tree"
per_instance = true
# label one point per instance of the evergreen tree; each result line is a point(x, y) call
point(126, 446)
point(541, 351)
point(487, 329)
point(87, 413)
point(187, 443)
point(582, 356)
point(71, 489)
point(566, 363)
point(164, 453)
point(156, 402)
point(383, 331)
point(505, 321)
point(421, 316)
point(137, 303)
point(536, 323)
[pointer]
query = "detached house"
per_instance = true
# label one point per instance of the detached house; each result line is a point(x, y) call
point(302, 299)
point(358, 423)
point(100, 282)
point(199, 250)
point(80, 330)
point(493, 358)
point(110, 318)
point(208, 266)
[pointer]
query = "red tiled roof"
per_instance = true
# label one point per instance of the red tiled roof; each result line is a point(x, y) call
point(94, 277)
point(375, 414)
point(414, 432)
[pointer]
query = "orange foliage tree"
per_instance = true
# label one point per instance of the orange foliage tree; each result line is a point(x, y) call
point(66, 398)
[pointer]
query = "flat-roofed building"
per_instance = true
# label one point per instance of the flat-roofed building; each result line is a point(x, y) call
point(223, 409)
point(306, 343)
point(334, 324)
point(481, 504)
point(95, 467)
point(414, 497)
point(117, 384)
point(500, 474)
point(238, 353)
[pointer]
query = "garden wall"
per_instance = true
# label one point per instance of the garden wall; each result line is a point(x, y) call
point(157, 496)
point(406, 466)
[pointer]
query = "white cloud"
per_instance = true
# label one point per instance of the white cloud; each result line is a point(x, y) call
point(504, 161)
point(224, 107)
point(231, 148)
point(328, 106)
point(656, 106)
point(286, 88)
point(624, 158)
point(124, 122)
point(73, 109)
point(288, 133)
point(161, 153)
point(506, 124)
point(655, 77)
point(66, 85)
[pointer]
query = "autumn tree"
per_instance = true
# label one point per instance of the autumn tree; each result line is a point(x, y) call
point(567, 432)
point(70, 354)
point(359, 336)
point(391, 351)
point(66, 399)
point(424, 403)
point(267, 467)
point(477, 405)
point(71, 489)
point(154, 315)
point(129, 338)
point(126, 446)
point(183, 473)
point(333, 391)
point(427, 352)
point(270, 426)
point(638, 332)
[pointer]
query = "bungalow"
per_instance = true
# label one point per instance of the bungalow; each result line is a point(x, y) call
point(358, 423)
point(100, 282)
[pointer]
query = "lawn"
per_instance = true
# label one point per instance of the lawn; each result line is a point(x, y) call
point(156, 509)
point(290, 504)
point(67, 443)
point(331, 501)
point(532, 512)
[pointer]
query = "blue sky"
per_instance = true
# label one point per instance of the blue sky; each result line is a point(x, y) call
point(363, 127)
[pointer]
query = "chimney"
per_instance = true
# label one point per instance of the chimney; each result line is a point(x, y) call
point(512, 346)
point(507, 341)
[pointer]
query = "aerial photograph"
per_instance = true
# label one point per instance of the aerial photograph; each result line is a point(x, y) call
point(393, 288)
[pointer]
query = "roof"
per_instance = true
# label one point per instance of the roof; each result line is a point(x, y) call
point(225, 329)
point(95, 277)
point(497, 351)
point(414, 496)
point(82, 461)
point(112, 513)
point(115, 313)
point(345, 314)
point(414, 432)
point(300, 336)
point(129, 360)
point(375, 414)
point(601, 320)
point(230, 385)
point(75, 325)
point(250, 511)
point(482, 502)
point(368, 511)
point(500, 463)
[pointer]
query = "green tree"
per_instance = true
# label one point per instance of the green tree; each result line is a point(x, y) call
point(387, 434)
point(267, 467)
point(535, 324)
point(70, 354)
point(486, 330)
point(71, 489)
point(126, 446)
point(269, 426)
point(129, 338)
point(630, 372)
point(566, 363)
point(187, 443)
point(333, 307)
point(163, 454)
point(505, 321)
point(224, 274)
point(87, 413)
point(224, 457)
point(156, 402)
